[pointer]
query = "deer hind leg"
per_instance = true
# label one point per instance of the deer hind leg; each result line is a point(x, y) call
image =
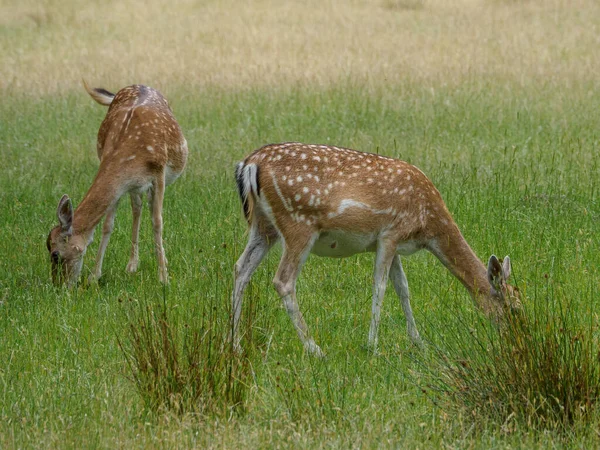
point(259, 244)
point(136, 210)
point(156, 196)
point(401, 287)
point(295, 252)
point(107, 229)
point(385, 253)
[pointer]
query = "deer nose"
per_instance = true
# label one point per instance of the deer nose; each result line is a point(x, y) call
point(55, 256)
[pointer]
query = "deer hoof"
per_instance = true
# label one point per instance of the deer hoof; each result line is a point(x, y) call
point(132, 266)
point(93, 278)
point(163, 277)
point(314, 350)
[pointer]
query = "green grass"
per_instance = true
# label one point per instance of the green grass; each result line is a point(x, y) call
point(540, 369)
point(517, 166)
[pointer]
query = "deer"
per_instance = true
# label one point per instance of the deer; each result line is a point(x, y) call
point(336, 202)
point(141, 149)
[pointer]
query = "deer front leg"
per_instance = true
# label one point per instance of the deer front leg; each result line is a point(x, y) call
point(294, 256)
point(256, 249)
point(136, 210)
point(401, 287)
point(107, 229)
point(383, 260)
point(156, 203)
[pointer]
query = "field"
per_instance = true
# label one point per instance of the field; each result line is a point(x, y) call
point(495, 100)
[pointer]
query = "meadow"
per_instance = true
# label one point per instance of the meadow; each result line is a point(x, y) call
point(496, 101)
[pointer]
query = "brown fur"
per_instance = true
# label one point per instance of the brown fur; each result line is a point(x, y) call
point(140, 144)
point(335, 202)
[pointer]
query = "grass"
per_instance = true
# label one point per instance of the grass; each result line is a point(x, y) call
point(495, 101)
point(48, 45)
point(518, 177)
point(186, 368)
point(540, 370)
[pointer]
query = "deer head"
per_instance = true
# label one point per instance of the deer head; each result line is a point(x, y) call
point(503, 295)
point(66, 249)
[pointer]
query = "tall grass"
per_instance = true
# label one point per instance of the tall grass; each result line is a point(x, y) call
point(539, 369)
point(186, 368)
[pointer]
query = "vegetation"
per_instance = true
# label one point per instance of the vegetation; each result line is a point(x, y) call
point(539, 370)
point(496, 102)
point(185, 369)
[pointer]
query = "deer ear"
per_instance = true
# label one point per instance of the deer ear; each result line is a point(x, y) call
point(65, 214)
point(495, 273)
point(506, 267)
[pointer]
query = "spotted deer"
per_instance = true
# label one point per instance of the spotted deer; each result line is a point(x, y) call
point(141, 150)
point(337, 202)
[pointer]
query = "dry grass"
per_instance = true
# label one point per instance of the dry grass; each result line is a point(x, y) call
point(48, 45)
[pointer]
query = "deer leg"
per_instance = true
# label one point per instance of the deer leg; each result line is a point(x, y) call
point(295, 252)
point(258, 246)
point(156, 203)
point(383, 260)
point(401, 287)
point(136, 210)
point(107, 229)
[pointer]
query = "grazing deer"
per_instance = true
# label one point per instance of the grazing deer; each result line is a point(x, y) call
point(141, 149)
point(337, 202)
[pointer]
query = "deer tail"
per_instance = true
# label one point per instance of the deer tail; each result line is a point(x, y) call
point(101, 95)
point(246, 176)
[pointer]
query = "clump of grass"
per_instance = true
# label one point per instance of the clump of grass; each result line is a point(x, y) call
point(539, 369)
point(183, 369)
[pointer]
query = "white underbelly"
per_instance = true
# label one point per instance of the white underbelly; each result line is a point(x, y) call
point(170, 175)
point(140, 188)
point(339, 244)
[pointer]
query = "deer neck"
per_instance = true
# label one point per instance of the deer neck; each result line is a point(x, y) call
point(455, 253)
point(102, 195)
